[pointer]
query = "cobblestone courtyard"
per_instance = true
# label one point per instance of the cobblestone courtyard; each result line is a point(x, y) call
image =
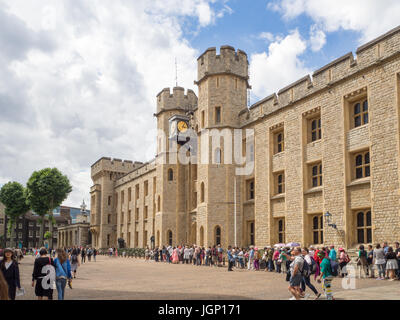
point(135, 279)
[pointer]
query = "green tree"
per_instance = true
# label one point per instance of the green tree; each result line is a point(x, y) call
point(13, 196)
point(46, 190)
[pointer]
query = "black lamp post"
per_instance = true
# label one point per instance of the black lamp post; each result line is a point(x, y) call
point(328, 220)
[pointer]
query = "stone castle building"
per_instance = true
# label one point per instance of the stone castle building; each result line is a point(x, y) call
point(325, 152)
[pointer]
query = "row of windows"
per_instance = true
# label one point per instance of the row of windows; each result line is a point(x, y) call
point(359, 115)
point(363, 229)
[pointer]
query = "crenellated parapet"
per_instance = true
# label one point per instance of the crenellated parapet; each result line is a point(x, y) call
point(229, 61)
point(369, 55)
point(177, 100)
point(117, 166)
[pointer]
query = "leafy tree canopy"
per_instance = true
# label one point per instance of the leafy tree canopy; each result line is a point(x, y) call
point(47, 189)
point(13, 196)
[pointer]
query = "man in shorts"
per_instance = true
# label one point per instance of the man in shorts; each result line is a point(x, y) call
point(296, 276)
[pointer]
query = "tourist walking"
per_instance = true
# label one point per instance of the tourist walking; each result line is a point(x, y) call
point(94, 254)
point(296, 276)
point(63, 272)
point(89, 254)
point(391, 264)
point(397, 252)
point(343, 261)
point(74, 262)
point(175, 256)
point(250, 264)
point(9, 268)
point(310, 270)
point(380, 261)
point(83, 255)
point(43, 289)
point(326, 275)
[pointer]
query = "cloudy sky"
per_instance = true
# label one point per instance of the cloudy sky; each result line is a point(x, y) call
point(78, 78)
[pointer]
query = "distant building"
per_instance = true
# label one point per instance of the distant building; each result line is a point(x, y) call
point(72, 211)
point(27, 233)
point(77, 233)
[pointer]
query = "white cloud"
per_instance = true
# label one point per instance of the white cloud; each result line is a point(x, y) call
point(317, 38)
point(369, 17)
point(268, 36)
point(78, 80)
point(273, 70)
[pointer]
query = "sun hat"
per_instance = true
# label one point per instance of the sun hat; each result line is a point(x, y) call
point(341, 249)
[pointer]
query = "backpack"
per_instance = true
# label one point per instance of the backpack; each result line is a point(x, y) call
point(74, 259)
point(306, 269)
point(313, 266)
point(334, 268)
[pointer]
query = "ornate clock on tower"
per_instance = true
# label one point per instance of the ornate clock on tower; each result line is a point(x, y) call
point(178, 128)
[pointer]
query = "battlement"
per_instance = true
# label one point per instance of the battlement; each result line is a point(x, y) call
point(177, 100)
point(114, 165)
point(228, 61)
point(372, 54)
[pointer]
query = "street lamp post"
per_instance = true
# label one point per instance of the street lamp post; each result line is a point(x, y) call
point(328, 220)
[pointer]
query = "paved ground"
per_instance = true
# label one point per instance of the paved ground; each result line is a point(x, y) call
point(136, 279)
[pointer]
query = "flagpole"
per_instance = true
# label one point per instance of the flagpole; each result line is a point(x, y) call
point(234, 191)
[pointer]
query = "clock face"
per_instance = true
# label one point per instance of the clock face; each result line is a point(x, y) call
point(182, 126)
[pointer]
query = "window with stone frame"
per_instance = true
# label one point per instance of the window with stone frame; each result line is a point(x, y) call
point(361, 164)
point(203, 116)
point(137, 192)
point(217, 156)
point(169, 237)
point(129, 216)
point(318, 229)
point(129, 194)
point(217, 115)
point(146, 188)
point(281, 230)
point(364, 226)
point(250, 189)
point(202, 193)
point(314, 125)
point(359, 112)
point(251, 233)
point(279, 141)
point(170, 175)
point(279, 182)
point(109, 200)
point(122, 197)
point(137, 214)
point(217, 235)
point(146, 212)
point(315, 170)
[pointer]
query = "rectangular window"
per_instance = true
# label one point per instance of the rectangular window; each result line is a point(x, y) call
point(137, 214)
point(109, 218)
point(217, 82)
point(359, 111)
point(122, 197)
point(236, 84)
point(279, 142)
point(146, 212)
point(316, 174)
point(361, 165)
point(363, 226)
point(280, 182)
point(129, 216)
point(137, 192)
point(218, 115)
point(20, 225)
point(146, 188)
point(318, 229)
point(202, 119)
point(30, 233)
point(154, 185)
point(109, 200)
point(315, 129)
point(250, 189)
point(129, 194)
point(281, 230)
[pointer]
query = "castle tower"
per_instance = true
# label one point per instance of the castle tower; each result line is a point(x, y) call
point(172, 177)
point(103, 220)
point(223, 83)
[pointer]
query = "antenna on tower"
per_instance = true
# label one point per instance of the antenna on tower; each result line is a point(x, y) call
point(176, 72)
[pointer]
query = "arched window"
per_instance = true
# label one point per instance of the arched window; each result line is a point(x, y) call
point(170, 175)
point(169, 237)
point(362, 165)
point(202, 192)
point(217, 235)
point(318, 235)
point(217, 156)
point(360, 113)
point(281, 230)
point(364, 227)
